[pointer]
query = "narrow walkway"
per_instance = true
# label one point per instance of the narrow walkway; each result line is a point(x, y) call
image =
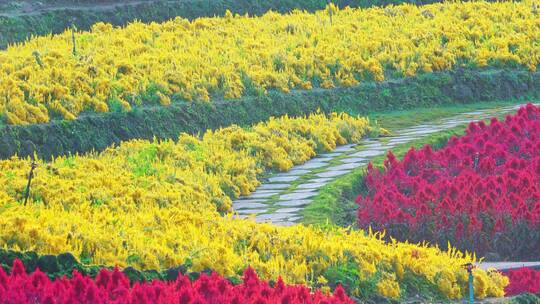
point(505, 266)
point(282, 196)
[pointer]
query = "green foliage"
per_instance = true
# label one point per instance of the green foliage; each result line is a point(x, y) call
point(150, 95)
point(3, 119)
point(250, 88)
point(142, 162)
point(69, 162)
point(133, 258)
point(349, 275)
point(115, 106)
point(415, 285)
point(96, 202)
point(64, 264)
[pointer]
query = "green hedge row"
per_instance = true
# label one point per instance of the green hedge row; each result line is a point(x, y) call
point(64, 264)
point(18, 27)
point(98, 131)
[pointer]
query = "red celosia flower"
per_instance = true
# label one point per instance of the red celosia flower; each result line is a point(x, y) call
point(523, 280)
point(114, 287)
point(463, 192)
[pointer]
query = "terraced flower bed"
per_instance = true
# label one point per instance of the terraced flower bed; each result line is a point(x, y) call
point(221, 165)
point(134, 142)
point(115, 69)
point(152, 218)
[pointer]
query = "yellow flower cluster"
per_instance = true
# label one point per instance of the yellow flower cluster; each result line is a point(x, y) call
point(111, 67)
point(221, 165)
point(165, 237)
point(388, 287)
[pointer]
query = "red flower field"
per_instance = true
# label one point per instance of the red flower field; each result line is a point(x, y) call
point(523, 280)
point(114, 287)
point(481, 192)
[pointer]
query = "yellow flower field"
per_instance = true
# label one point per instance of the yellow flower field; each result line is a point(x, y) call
point(204, 172)
point(110, 68)
point(155, 238)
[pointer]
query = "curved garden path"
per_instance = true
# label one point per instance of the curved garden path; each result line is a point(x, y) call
point(281, 197)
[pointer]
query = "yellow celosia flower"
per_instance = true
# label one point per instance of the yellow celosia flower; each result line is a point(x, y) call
point(388, 287)
point(166, 237)
point(216, 56)
point(195, 172)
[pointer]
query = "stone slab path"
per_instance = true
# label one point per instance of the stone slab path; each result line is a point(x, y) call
point(282, 196)
point(505, 266)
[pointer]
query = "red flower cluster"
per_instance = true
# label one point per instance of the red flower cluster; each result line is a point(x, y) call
point(481, 192)
point(523, 280)
point(114, 287)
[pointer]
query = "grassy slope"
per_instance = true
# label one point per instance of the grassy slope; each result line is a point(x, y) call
point(335, 201)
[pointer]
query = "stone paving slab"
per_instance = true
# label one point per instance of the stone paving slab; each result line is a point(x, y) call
point(348, 166)
point(300, 190)
point(450, 125)
point(475, 113)
point(264, 193)
point(288, 210)
point(320, 180)
point(314, 165)
point(250, 211)
point(368, 153)
point(329, 155)
point(419, 127)
point(389, 145)
point(317, 159)
point(310, 186)
point(283, 179)
point(372, 146)
point(457, 122)
point(248, 201)
point(273, 186)
point(345, 148)
point(272, 217)
point(332, 173)
point(295, 171)
point(239, 206)
point(508, 265)
point(402, 139)
point(294, 218)
point(353, 160)
point(293, 203)
point(297, 196)
point(421, 132)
